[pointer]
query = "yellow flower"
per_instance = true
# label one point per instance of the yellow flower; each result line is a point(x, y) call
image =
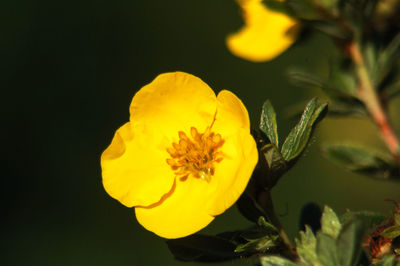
point(184, 157)
point(265, 35)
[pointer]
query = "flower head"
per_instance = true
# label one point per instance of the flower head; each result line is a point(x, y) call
point(185, 156)
point(265, 35)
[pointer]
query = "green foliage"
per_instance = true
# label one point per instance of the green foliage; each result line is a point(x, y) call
point(260, 239)
point(336, 244)
point(280, 161)
point(306, 247)
point(362, 160)
point(299, 136)
point(393, 231)
point(370, 219)
point(268, 123)
point(388, 260)
point(330, 223)
point(276, 261)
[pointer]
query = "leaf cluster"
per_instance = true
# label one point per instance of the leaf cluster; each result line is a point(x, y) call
point(339, 242)
point(280, 159)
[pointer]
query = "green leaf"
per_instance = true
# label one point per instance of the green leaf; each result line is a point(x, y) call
point(306, 247)
point(276, 261)
point(349, 243)
point(262, 238)
point(326, 250)
point(386, 59)
point(370, 219)
point(268, 123)
point(330, 223)
point(396, 218)
point(361, 159)
point(202, 248)
point(391, 232)
point(299, 136)
point(392, 90)
point(386, 261)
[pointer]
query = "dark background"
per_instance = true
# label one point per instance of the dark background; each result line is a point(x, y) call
point(68, 72)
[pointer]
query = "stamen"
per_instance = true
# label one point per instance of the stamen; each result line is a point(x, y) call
point(196, 156)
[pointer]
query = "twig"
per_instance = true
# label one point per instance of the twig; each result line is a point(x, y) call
point(265, 201)
point(368, 96)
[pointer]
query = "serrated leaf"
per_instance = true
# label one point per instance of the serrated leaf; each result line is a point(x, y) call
point(276, 261)
point(369, 218)
point(202, 248)
point(349, 243)
point(391, 232)
point(268, 123)
point(360, 159)
point(306, 247)
point(386, 261)
point(326, 250)
point(330, 223)
point(299, 136)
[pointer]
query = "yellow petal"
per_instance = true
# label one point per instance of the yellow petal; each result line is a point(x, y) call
point(265, 35)
point(181, 213)
point(134, 171)
point(239, 151)
point(174, 102)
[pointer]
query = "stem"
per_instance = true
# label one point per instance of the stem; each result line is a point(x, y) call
point(265, 201)
point(368, 96)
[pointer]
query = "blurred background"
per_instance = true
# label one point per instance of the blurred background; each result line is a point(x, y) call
point(69, 70)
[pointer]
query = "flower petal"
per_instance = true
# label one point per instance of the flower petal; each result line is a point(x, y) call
point(239, 151)
point(174, 102)
point(266, 33)
point(134, 171)
point(181, 213)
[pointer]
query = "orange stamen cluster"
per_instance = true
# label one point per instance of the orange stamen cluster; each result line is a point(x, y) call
point(195, 156)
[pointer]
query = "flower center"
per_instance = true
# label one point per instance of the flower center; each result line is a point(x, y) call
point(195, 156)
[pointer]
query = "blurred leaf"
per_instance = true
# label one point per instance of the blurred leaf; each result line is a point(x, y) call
point(303, 9)
point(370, 219)
point(307, 80)
point(299, 136)
point(311, 214)
point(306, 247)
point(331, 29)
point(328, 4)
point(326, 250)
point(249, 208)
point(386, 59)
point(330, 223)
point(391, 232)
point(268, 123)
point(386, 261)
point(396, 218)
point(345, 107)
point(349, 243)
point(202, 248)
point(392, 90)
point(276, 261)
point(360, 159)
